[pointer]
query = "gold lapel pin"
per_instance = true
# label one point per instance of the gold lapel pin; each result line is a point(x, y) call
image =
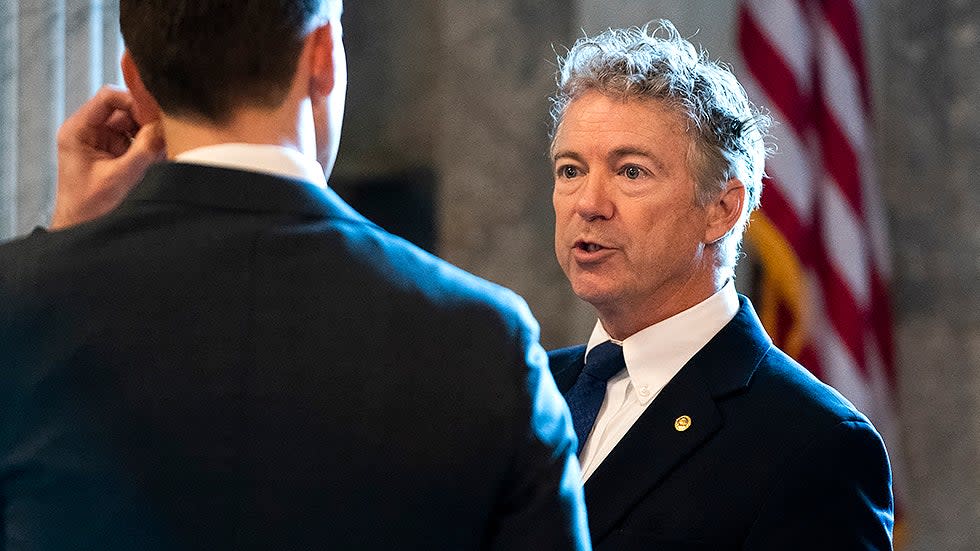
point(682, 423)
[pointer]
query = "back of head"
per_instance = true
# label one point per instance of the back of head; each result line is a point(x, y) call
point(655, 63)
point(203, 58)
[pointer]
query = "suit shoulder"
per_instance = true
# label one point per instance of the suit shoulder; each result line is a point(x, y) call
point(787, 383)
point(18, 257)
point(441, 279)
point(20, 246)
point(389, 266)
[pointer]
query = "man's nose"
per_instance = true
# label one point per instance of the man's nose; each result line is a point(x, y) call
point(594, 200)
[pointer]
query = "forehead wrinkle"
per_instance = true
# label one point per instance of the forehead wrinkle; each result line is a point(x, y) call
point(594, 116)
point(585, 137)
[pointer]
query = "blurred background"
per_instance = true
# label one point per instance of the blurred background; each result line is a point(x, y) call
point(445, 143)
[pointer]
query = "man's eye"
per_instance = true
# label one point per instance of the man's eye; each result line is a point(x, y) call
point(632, 172)
point(568, 171)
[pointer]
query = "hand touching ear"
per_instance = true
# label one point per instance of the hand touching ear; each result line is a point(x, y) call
point(102, 153)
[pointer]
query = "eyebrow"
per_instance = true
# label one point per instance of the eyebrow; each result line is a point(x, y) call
point(621, 152)
point(567, 154)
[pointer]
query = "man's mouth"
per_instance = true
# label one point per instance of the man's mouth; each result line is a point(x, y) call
point(588, 246)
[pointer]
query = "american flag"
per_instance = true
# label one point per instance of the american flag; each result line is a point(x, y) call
point(820, 237)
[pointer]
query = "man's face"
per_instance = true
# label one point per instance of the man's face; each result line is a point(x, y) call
point(628, 231)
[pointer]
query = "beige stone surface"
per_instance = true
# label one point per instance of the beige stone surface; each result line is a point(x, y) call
point(495, 195)
point(928, 57)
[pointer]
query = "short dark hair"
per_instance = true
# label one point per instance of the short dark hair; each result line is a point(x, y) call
point(204, 58)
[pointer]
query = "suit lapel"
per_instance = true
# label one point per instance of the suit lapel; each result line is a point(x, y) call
point(651, 449)
point(654, 446)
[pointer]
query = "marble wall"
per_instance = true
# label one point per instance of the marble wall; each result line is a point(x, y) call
point(8, 113)
point(928, 57)
point(495, 201)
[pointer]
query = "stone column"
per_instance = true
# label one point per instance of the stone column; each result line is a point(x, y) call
point(930, 126)
point(9, 16)
point(496, 73)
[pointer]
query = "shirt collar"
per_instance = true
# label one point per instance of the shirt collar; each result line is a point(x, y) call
point(655, 354)
point(269, 159)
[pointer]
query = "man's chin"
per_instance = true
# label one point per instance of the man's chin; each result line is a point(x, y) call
point(596, 293)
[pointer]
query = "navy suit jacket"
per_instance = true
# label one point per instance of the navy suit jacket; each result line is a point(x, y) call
point(773, 458)
point(233, 360)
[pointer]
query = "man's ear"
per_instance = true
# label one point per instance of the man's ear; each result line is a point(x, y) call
point(146, 108)
point(723, 213)
point(321, 62)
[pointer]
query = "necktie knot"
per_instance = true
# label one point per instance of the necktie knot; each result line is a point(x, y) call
point(604, 361)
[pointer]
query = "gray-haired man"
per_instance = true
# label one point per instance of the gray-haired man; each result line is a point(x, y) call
point(695, 431)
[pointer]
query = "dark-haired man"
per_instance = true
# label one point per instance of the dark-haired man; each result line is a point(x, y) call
point(695, 432)
point(235, 359)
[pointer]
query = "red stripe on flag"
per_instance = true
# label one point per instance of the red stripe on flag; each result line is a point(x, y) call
point(810, 359)
point(772, 72)
point(840, 160)
point(843, 311)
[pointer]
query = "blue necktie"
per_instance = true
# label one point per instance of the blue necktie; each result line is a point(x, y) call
point(585, 397)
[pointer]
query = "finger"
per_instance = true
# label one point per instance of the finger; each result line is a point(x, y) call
point(147, 148)
point(106, 101)
point(114, 143)
point(113, 137)
point(94, 113)
point(122, 122)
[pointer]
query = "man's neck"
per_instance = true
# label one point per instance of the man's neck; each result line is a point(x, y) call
point(624, 320)
point(252, 126)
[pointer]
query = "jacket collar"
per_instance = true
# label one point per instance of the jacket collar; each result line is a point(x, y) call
point(225, 188)
point(725, 367)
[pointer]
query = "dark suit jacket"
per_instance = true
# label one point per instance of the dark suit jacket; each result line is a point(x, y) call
point(773, 459)
point(233, 360)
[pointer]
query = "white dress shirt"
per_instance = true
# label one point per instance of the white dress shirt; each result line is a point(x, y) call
point(653, 356)
point(268, 159)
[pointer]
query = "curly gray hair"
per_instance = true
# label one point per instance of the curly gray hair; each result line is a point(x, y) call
point(728, 133)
